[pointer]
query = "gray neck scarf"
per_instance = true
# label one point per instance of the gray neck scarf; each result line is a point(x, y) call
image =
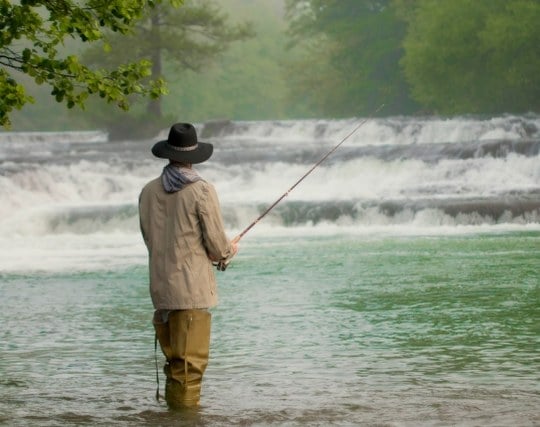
point(174, 178)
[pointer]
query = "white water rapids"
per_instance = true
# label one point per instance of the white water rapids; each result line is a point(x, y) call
point(70, 198)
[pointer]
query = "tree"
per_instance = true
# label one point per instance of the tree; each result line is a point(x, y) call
point(474, 56)
point(246, 82)
point(33, 33)
point(186, 38)
point(353, 48)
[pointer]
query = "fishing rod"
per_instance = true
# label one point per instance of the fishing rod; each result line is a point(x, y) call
point(222, 265)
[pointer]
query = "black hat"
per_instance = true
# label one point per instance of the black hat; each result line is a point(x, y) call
point(182, 145)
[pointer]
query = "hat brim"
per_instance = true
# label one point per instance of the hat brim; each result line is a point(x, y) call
point(203, 152)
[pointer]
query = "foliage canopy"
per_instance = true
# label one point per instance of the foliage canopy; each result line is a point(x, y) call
point(448, 57)
point(173, 40)
point(471, 56)
point(347, 58)
point(353, 51)
point(33, 34)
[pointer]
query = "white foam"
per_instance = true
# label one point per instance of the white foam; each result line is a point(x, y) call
point(369, 178)
point(65, 252)
point(54, 137)
point(83, 215)
point(393, 130)
point(78, 184)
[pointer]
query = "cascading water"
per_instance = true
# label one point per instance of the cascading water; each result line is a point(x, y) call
point(78, 192)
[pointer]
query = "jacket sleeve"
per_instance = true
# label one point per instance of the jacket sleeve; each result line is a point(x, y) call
point(142, 217)
point(216, 242)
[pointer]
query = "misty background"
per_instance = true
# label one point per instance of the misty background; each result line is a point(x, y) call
point(328, 59)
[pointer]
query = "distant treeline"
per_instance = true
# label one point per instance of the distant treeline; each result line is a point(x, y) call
point(437, 56)
point(325, 58)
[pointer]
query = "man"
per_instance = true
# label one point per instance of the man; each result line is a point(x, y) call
point(182, 227)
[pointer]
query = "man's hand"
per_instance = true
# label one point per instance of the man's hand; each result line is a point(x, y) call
point(235, 245)
point(223, 264)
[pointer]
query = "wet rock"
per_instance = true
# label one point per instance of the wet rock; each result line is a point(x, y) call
point(215, 128)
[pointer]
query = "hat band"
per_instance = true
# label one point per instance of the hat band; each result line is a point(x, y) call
point(190, 148)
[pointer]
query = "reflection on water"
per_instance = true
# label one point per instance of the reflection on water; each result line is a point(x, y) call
point(319, 331)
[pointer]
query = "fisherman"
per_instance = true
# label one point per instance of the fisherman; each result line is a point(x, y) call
point(182, 228)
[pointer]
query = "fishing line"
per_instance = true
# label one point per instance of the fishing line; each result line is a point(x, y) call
point(222, 265)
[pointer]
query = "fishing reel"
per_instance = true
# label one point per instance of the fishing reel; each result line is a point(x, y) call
point(222, 265)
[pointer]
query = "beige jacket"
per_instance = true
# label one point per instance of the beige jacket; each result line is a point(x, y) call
point(181, 231)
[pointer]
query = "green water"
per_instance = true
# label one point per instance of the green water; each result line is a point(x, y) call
point(340, 330)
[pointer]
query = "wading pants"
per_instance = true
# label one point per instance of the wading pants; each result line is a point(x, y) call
point(185, 340)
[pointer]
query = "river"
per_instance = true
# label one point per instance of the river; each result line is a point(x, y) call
point(397, 285)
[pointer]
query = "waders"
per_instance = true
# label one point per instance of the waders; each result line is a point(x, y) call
point(185, 342)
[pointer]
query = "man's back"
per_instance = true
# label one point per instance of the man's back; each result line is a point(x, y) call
point(183, 231)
